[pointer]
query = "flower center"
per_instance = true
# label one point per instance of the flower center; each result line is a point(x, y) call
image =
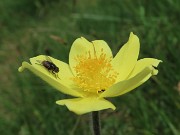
point(94, 74)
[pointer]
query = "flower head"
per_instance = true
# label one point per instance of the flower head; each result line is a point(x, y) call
point(94, 74)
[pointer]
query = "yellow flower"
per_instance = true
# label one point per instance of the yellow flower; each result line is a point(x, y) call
point(94, 74)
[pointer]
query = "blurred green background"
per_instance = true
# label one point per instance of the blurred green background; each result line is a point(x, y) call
point(32, 27)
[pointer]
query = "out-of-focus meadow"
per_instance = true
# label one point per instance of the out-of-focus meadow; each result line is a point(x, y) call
point(32, 27)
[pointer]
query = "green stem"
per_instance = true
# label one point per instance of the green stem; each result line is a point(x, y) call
point(96, 123)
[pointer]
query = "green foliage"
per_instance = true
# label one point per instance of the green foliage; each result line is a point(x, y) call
point(33, 27)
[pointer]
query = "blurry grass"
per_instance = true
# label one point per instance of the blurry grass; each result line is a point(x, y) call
point(27, 26)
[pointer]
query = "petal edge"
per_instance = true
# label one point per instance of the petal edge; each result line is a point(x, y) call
point(84, 105)
point(123, 87)
point(143, 63)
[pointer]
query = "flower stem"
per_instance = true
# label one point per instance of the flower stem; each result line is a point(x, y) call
point(96, 123)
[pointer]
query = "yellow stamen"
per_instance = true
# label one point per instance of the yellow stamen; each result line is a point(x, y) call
point(94, 73)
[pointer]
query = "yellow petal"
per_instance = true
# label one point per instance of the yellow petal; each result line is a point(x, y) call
point(64, 75)
point(85, 105)
point(142, 63)
point(46, 76)
point(126, 58)
point(128, 85)
point(100, 46)
point(81, 46)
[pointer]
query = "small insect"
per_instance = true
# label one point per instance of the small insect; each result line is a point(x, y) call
point(49, 65)
point(101, 91)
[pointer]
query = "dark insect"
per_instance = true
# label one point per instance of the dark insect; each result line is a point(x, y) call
point(50, 66)
point(100, 91)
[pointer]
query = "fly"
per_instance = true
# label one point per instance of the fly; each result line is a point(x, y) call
point(50, 66)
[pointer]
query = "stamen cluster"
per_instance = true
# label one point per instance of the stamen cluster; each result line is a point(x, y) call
point(94, 73)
